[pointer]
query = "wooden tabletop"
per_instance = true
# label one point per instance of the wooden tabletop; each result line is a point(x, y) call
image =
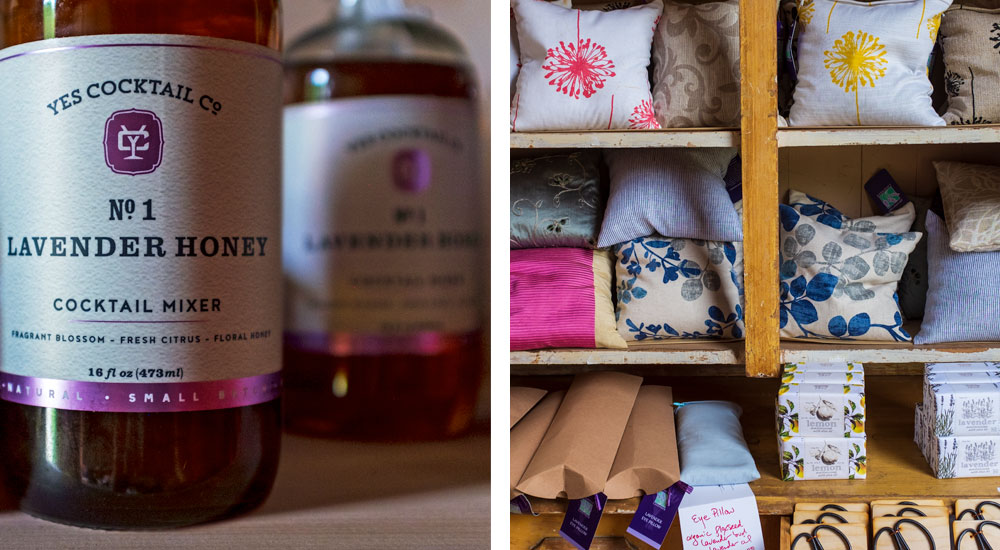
point(328, 495)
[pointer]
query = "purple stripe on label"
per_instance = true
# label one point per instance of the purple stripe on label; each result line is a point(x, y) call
point(134, 322)
point(139, 397)
point(142, 45)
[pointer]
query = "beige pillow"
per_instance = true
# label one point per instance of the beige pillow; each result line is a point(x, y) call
point(971, 196)
point(969, 38)
point(696, 65)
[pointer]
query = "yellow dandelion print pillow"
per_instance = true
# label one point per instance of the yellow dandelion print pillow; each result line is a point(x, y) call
point(864, 64)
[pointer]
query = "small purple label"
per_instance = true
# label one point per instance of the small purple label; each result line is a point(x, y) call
point(411, 170)
point(656, 513)
point(885, 192)
point(521, 505)
point(133, 142)
point(582, 516)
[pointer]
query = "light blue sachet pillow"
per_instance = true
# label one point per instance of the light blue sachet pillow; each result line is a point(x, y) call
point(963, 298)
point(711, 445)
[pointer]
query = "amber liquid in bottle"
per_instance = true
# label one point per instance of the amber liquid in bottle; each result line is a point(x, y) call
point(390, 396)
point(139, 470)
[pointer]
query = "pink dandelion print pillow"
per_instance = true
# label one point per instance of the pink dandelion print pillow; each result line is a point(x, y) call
point(583, 70)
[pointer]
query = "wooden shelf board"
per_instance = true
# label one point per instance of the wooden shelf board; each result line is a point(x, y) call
point(890, 352)
point(896, 468)
point(878, 135)
point(658, 353)
point(697, 137)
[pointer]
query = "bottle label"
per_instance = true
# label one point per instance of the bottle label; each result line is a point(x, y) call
point(382, 222)
point(139, 218)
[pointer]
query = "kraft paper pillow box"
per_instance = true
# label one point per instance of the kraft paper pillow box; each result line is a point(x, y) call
point(804, 458)
point(821, 410)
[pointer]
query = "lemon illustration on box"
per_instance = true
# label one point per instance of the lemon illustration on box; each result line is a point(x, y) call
point(825, 410)
point(856, 59)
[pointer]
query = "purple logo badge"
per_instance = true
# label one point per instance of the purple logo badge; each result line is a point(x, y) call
point(133, 142)
point(411, 170)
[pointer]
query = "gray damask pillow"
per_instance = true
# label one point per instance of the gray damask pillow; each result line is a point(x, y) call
point(696, 65)
point(555, 200)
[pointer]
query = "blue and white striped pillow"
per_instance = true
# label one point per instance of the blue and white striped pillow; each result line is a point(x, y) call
point(677, 193)
point(963, 294)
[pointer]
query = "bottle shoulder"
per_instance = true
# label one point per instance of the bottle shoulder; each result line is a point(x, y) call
point(407, 39)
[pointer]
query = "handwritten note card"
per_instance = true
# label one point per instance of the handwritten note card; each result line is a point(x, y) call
point(721, 517)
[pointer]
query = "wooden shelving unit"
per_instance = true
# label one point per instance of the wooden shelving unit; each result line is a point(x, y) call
point(830, 163)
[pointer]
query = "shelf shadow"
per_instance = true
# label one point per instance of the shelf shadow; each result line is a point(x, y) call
point(317, 473)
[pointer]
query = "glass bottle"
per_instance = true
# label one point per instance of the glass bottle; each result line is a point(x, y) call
point(206, 444)
point(383, 334)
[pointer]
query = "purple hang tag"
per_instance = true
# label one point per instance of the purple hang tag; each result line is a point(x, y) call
point(521, 505)
point(734, 179)
point(885, 193)
point(582, 517)
point(656, 513)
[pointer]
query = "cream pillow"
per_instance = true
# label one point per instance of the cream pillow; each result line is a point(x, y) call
point(971, 197)
point(864, 64)
point(583, 70)
point(839, 275)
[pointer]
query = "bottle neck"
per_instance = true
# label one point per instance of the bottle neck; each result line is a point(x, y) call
point(368, 9)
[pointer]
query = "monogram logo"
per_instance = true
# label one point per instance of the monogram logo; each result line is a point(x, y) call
point(133, 142)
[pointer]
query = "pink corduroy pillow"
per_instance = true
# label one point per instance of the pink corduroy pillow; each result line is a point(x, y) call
point(561, 298)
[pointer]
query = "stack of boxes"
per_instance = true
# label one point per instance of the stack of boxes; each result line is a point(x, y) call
point(821, 421)
point(957, 427)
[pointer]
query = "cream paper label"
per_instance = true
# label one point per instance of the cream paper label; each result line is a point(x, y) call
point(382, 216)
point(140, 209)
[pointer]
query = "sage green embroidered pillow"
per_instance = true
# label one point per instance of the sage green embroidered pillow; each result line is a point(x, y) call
point(556, 201)
point(970, 38)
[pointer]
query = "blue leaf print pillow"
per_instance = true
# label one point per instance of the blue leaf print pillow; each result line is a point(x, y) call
point(838, 274)
point(679, 288)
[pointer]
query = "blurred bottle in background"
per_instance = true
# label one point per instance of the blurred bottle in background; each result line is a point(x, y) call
point(382, 217)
